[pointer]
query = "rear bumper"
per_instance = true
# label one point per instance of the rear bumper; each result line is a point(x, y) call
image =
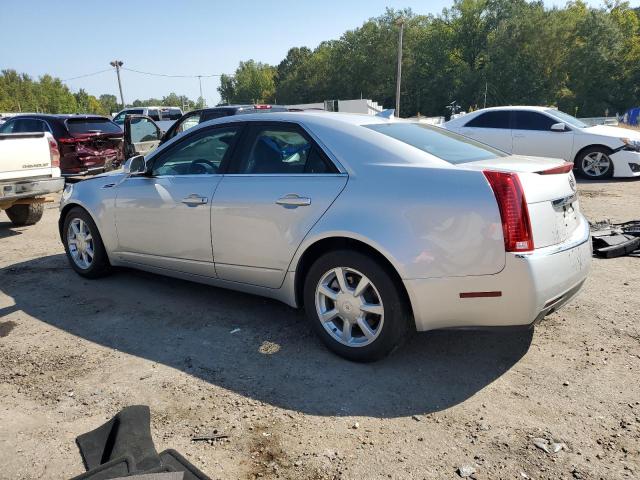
point(530, 287)
point(26, 188)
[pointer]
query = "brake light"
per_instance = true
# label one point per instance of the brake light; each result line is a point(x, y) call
point(262, 107)
point(69, 140)
point(516, 225)
point(54, 153)
point(564, 168)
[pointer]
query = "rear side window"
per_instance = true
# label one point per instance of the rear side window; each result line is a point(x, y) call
point(495, 119)
point(91, 125)
point(439, 142)
point(277, 150)
point(532, 121)
point(29, 125)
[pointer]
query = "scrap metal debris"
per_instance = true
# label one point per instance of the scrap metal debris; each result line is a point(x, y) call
point(611, 240)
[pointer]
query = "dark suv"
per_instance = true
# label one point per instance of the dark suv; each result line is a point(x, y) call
point(88, 144)
point(193, 118)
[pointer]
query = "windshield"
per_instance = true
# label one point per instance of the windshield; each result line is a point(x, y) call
point(566, 118)
point(439, 142)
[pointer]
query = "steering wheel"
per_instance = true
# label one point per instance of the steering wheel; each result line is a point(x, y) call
point(202, 166)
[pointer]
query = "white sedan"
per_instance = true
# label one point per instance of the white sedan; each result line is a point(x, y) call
point(597, 152)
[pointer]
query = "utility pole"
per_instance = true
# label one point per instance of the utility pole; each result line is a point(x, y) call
point(399, 75)
point(201, 97)
point(117, 64)
point(486, 85)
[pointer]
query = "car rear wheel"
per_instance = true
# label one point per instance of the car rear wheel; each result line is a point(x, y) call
point(25, 214)
point(355, 305)
point(83, 245)
point(595, 163)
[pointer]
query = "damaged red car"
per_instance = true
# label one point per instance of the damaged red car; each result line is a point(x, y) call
point(88, 144)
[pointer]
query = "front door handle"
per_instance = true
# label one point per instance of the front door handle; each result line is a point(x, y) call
point(293, 200)
point(194, 199)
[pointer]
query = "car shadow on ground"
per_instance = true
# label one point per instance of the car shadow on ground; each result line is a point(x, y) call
point(256, 347)
point(7, 229)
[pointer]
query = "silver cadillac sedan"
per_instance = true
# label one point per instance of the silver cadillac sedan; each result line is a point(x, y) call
point(376, 227)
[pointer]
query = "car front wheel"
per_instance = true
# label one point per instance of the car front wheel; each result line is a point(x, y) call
point(355, 305)
point(595, 163)
point(83, 244)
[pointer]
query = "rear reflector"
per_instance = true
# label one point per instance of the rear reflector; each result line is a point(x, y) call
point(564, 168)
point(480, 294)
point(516, 226)
point(54, 153)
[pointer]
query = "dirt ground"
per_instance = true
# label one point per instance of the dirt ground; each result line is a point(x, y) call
point(74, 352)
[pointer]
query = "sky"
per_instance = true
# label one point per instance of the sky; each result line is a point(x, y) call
point(190, 37)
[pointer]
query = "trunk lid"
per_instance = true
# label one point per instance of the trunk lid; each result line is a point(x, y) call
point(552, 199)
point(95, 142)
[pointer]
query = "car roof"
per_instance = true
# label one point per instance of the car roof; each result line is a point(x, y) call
point(533, 108)
point(58, 116)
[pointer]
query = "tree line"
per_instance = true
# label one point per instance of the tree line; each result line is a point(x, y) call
point(584, 60)
point(21, 93)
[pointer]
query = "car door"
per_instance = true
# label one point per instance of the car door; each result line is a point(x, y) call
point(532, 135)
point(492, 127)
point(278, 186)
point(163, 218)
point(141, 135)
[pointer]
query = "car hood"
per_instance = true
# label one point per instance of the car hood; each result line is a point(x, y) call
point(614, 132)
point(515, 163)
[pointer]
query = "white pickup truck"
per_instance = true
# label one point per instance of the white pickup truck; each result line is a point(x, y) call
point(29, 170)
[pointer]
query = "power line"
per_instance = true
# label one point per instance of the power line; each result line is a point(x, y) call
point(87, 75)
point(172, 76)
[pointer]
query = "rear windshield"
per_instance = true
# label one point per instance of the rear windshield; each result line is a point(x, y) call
point(439, 142)
point(92, 125)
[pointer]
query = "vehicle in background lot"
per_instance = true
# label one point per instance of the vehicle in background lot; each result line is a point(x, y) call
point(597, 152)
point(164, 117)
point(29, 170)
point(88, 144)
point(378, 227)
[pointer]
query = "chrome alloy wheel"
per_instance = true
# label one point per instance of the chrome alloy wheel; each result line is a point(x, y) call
point(596, 164)
point(80, 243)
point(349, 307)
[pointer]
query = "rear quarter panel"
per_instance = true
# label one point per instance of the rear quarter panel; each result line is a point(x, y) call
point(428, 222)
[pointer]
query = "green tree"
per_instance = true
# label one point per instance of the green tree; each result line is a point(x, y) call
point(253, 82)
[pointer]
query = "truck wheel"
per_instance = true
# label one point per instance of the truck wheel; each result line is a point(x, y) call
point(355, 306)
point(25, 214)
point(83, 245)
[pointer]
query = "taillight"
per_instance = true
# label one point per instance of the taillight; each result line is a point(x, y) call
point(69, 140)
point(516, 225)
point(54, 153)
point(262, 107)
point(564, 168)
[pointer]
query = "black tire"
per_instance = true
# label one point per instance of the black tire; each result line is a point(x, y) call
point(581, 157)
point(100, 265)
point(25, 214)
point(396, 325)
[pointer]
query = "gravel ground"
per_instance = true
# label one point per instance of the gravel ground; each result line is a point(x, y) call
point(74, 352)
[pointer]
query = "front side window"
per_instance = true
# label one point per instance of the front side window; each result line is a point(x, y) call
point(438, 142)
point(200, 154)
point(494, 119)
point(281, 151)
point(143, 130)
point(523, 120)
point(8, 126)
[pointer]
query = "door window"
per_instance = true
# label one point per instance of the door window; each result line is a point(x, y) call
point(199, 154)
point(493, 119)
point(189, 122)
point(532, 121)
point(281, 151)
point(143, 130)
point(29, 125)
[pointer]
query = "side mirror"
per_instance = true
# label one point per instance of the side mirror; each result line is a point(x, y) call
point(135, 166)
point(558, 127)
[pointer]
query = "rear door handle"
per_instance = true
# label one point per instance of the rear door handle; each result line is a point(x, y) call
point(293, 200)
point(194, 199)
